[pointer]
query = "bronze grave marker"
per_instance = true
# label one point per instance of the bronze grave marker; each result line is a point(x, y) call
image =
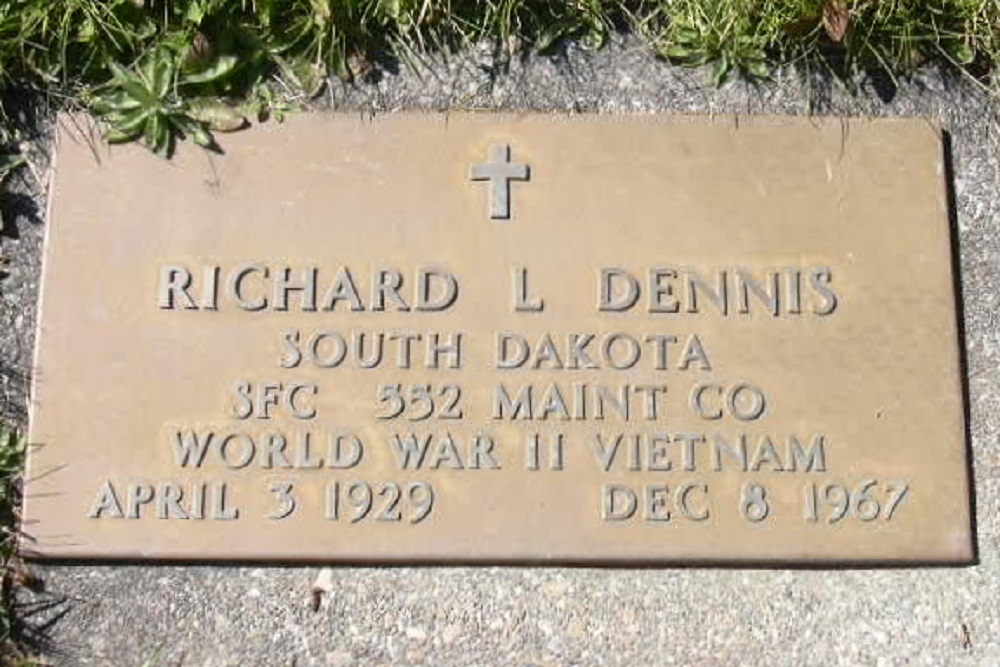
point(479, 338)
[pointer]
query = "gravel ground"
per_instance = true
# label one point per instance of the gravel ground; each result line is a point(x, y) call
point(219, 615)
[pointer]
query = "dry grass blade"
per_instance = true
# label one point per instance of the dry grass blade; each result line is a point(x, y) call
point(836, 20)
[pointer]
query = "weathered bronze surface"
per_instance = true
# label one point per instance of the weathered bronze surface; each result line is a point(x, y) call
point(504, 339)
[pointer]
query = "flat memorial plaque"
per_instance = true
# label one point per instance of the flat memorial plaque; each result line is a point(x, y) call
point(480, 338)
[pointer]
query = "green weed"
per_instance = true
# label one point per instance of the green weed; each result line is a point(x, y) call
point(69, 42)
point(725, 33)
point(96, 51)
point(152, 101)
point(90, 49)
point(12, 451)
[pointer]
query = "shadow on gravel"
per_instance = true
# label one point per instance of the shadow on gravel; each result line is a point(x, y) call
point(28, 121)
point(15, 384)
point(14, 207)
point(961, 319)
point(26, 111)
point(32, 623)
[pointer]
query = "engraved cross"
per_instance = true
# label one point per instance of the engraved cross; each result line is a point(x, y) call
point(500, 171)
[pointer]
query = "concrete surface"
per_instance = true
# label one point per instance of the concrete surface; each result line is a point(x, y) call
point(201, 615)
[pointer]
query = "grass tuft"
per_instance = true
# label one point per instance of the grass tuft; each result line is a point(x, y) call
point(12, 451)
point(84, 51)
